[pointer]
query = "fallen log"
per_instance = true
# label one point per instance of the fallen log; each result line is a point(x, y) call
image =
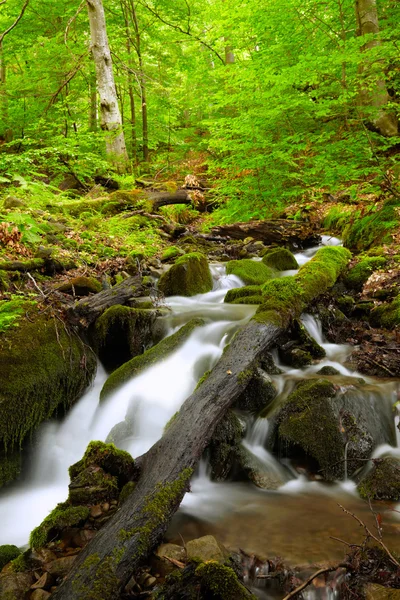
point(86, 311)
point(297, 234)
point(104, 567)
point(159, 199)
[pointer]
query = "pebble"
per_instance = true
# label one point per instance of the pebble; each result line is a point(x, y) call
point(96, 511)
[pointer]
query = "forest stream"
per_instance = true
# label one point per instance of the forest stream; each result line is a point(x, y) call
point(297, 519)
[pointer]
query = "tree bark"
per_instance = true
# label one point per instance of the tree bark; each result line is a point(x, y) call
point(109, 560)
point(111, 121)
point(378, 98)
point(277, 231)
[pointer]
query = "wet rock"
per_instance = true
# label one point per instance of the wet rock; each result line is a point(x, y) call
point(268, 365)
point(250, 272)
point(280, 259)
point(15, 586)
point(114, 461)
point(122, 333)
point(382, 482)
point(206, 548)
point(259, 392)
point(189, 275)
point(96, 511)
point(224, 446)
point(327, 370)
point(83, 537)
point(298, 348)
point(120, 432)
point(92, 485)
point(257, 471)
point(40, 595)
point(81, 286)
point(60, 567)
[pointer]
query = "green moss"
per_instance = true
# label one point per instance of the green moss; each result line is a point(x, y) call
point(114, 461)
point(358, 275)
point(8, 553)
point(251, 272)
point(280, 259)
point(243, 295)
point(222, 450)
point(202, 379)
point(386, 315)
point(22, 265)
point(4, 281)
point(10, 466)
point(307, 420)
point(327, 371)
point(383, 480)
point(61, 517)
point(171, 252)
point(222, 582)
point(157, 510)
point(20, 564)
point(150, 357)
point(188, 276)
point(376, 227)
point(282, 302)
point(337, 219)
point(80, 286)
point(126, 491)
point(92, 486)
point(321, 273)
point(42, 365)
point(104, 581)
point(11, 311)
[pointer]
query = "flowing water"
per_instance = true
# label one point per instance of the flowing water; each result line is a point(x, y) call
point(296, 521)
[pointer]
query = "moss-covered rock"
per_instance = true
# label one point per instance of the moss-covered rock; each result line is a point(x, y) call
point(91, 486)
point(150, 357)
point(386, 315)
point(114, 461)
point(170, 253)
point(259, 392)
point(61, 517)
point(249, 294)
point(4, 281)
point(80, 286)
point(280, 259)
point(382, 482)
point(263, 475)
point(221, 582)
point(8, 553)
point(298, 348)
point(188, 276)
point(122, 333)
point(251, 272)
point(15, 586)
point(223, 448)
point(10, 466)
point(358, 275)
point(328, 371)
point(43, 366)
point(206, 548)
point(375, 228)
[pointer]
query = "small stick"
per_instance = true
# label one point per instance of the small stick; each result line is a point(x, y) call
point(310, 579)
point(36, 286)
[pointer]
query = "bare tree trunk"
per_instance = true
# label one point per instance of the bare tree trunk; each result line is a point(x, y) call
point(111, 121)
point(93, 116)
point(368, 23)
point(131, 92)
point(5, 132)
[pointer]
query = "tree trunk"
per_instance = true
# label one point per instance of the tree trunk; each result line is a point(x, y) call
point(274, 231)
point(378, 98)
point(93, 101)
point(109, 560)
point(111, 121)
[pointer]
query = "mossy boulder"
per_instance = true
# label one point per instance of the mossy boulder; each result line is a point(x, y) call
point(263, 475)
point(375, 228)
point(359, 273)
point(280, 259)
point(15, 586)
point(318, 420)
point(188, 276)
point(150, 357)
point(382, 482)
point(121, 333)
point(80, 286)
point(4, 281)
point(251, 272)
point(249, 294)
point(170, 253)
point(259, 392)
point(328, 371)
point(223, 449)
point(114, 461)
point(61, 517)
point(43, 367)
point(92, 486)
point(8, 553)
point(206, 548)
point(298, 348)
point(386, 315)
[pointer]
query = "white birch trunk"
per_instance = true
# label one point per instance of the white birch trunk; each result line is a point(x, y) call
point(110, 115)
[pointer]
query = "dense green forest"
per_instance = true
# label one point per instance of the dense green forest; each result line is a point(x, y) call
point(199, 292)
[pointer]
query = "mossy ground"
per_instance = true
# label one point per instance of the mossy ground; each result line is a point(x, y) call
point(359, 273)
point(251, 272)
point(150, 357)
point(386, 315)
point(188, 276)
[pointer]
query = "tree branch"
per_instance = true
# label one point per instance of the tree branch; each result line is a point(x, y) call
point(17, 20)
point(311, 578)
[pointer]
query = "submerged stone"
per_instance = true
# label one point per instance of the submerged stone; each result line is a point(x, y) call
point(188, 276)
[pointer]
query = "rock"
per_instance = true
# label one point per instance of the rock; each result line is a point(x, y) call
point(53, 370)
point(114, 461)
point(327, 370)
point(62, 517)
point(280, 259)
point(251, 272)
point(258, 472)
point(259, 392)
point(224, 446)
point(297, 348)
point(40, 556)
point(122, 333)
point(92, 485)
point(319, 420)
point(249, 294)
point(150, 357)
point(96, 511)
point(358, 274)
point(206, 548)
point(7, 553)
point(60, 567)
point(120, 432)
point(80, 286)
point(386, 315)
point(188, 276)
point(13, 202)
point(382, 482)
point(374, 591)
point(40, 595)
point(15, 586)
point(160, 564)
point(171, 253)
point(44, 583)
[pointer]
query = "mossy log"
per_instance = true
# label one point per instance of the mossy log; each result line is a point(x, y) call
point(87, 310)
point(108, 561)
point(49, 266)
point(274, 231)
